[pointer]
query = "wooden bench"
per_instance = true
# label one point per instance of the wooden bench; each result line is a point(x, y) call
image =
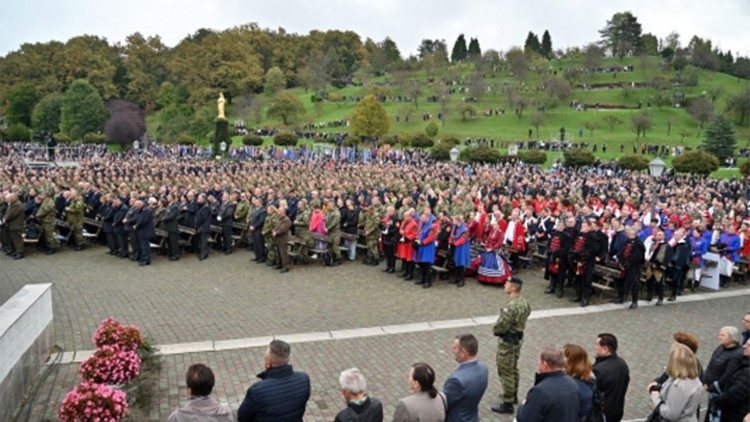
point(189, 231)
point(443, 268)
point(64, 225)
point(160, 237)
point(91, 223)
point(239, 229)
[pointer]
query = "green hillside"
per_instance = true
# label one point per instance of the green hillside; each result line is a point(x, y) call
point(684, 128)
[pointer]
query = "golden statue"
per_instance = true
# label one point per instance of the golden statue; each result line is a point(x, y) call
point(220, 104)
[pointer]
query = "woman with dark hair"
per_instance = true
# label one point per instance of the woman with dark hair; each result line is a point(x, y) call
point(578, 366)
point(427, 404)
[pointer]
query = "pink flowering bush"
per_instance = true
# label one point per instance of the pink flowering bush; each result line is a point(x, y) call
point(111, 332)
point(93, 402)
point(111, 365)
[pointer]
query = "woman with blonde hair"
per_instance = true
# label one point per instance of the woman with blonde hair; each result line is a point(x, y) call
point(679, 397)
point(578, 366)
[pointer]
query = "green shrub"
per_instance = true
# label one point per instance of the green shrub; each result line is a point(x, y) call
point(62, 138)
point(252, 139)
point(431, 129)
point(451, 140)
point(533, 156)
point(745, 168)
point(17, 132)
point(696, 162)
point(388, 140)
point(350, 141)
point(421, 140)
point(441, 151)
point(94, 138)
point(185, 139)
point(481, 154)
point(578, 157)
point(285, 139)
point(633, 162)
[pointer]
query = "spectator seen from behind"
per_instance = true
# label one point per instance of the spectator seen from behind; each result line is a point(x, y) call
point(427, 404)
point(200, 407)
point(359, 406)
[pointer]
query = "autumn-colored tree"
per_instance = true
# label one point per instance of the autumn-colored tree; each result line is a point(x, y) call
point(370, 119)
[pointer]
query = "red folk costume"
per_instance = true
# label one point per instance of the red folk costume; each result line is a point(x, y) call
point(745, 250)
point(490, 266)
point(408, 231)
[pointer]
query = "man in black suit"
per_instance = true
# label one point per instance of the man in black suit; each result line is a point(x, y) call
point(225, 218)
point(612, 376)
point(120, 210)
point(172, 227)
point(143, 224)
point(203, 226)
point(257, 220)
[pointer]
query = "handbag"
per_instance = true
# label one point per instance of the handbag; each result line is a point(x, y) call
point(655, 416)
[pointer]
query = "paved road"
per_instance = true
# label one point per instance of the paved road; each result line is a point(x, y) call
point(228, 297)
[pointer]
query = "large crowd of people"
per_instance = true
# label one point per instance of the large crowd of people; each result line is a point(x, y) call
point(483, 220)
point(568, 386)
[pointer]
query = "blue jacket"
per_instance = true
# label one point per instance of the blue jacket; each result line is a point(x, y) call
point(554, 397)
point(462, 253)
point(700, 247)
point(280, 395)
point(731, 251)
point(425, 253)
point(463, 391)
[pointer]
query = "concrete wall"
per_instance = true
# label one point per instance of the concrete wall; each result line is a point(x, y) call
point(26, 337)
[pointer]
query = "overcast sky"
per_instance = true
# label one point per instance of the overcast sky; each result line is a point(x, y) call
point(499, 24)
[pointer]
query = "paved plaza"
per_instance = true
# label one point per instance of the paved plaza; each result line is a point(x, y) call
point(188, 304)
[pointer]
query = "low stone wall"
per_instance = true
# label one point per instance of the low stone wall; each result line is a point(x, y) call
point(26, 337)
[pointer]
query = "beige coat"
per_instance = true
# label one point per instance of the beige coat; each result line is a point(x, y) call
point(419, 407)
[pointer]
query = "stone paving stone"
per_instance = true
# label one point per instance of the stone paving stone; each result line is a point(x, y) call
point(644, 335)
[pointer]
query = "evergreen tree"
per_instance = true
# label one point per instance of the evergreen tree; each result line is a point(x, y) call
point(546, 48)
point(459, 49)
point(532, 44)
point(474, 50)
point(720, 139)
point(20, 103)
point(622, 34)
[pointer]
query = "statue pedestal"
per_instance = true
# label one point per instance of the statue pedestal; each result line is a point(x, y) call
point(221, 133)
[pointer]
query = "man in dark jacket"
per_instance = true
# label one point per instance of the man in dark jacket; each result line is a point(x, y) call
point(584, 250)
point(465, 387)
point(257, 220)
point(359, 406)
point(734, 400)
point(281, 394)
point(225, 218)
point(554, 396)
point(682, 251)
point(143, 224)
point(631, 258)
point(105, 213)
point(171, 225)
point(612, 376)
point(120, 210)
point(203, 226)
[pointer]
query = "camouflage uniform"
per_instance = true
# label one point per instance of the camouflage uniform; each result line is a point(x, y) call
point(75, 219)
point(268, 238)
point(372, 234)
point(46, 217)
point(241, 215)
point(302, 230)
point(333, 228)
point(509, 328)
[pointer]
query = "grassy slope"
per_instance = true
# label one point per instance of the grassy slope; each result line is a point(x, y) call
point(509, 127)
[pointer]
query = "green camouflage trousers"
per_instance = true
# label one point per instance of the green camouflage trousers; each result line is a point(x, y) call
point(49, 236)
point(507, 369)
point(372, 246)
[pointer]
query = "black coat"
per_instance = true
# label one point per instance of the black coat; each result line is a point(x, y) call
point(389, 231)
point(280, 395)
point(636, 253)
point(681, 254)
point(170, 218)
point(734, 401)
point(722, 366)
point(612, 379)
point(349, 220)
point(226, 212)
point(106, 213)
point(369, 411)
point(144, 223)
point(554, 397)
point(117, 217)
point(202, 222)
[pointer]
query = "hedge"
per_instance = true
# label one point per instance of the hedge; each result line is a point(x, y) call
point(578, 157)
point(285, 139)
point(533, 156)
point(696, 162)
point(633, 162)
point(252, 139)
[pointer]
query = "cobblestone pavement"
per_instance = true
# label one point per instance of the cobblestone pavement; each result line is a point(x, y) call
point(229, 297)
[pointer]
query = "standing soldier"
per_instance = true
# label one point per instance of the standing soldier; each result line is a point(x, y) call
point(74, 212)
point(280, 235)
point(509, 328)
point(268, 225)
point(333, 228)
point(14, 220)
point(302, 229)
point(372, 234)
point(242, 215)
point(46, 217)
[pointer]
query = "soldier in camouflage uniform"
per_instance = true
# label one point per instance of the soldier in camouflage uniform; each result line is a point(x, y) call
point(302, 229)
point(509, 328)
point(242, 215)
point(74, 213)
point(333, 228)
point(372, 234)
point(46, 217)
point(268, 226)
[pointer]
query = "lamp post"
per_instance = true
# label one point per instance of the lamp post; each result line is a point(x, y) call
point(656, 167)
point(223, 148)
point(454, 154)
point(136, 145)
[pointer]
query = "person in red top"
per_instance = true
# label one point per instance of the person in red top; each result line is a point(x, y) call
point(492, 266)
point(405, 250)
point(745, 239)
